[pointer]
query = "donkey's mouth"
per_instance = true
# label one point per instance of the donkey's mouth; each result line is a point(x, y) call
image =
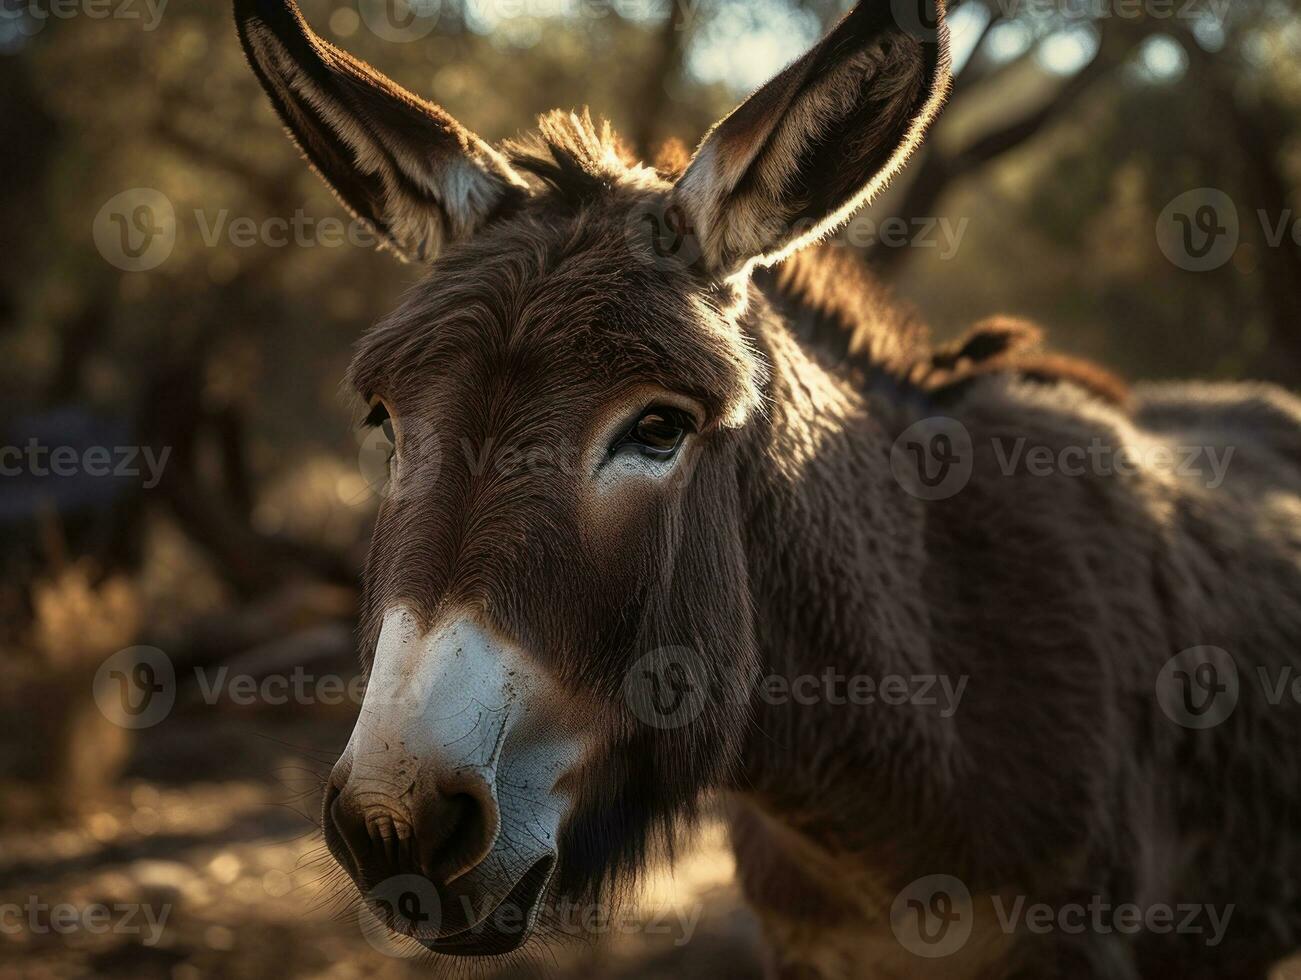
point(507, 927)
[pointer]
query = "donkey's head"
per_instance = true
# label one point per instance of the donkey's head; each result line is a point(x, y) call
point(559, 561)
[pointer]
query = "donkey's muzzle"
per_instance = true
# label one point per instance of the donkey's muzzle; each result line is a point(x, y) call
point(444, 806)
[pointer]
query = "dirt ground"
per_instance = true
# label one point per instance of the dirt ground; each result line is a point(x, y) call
point(211, 830)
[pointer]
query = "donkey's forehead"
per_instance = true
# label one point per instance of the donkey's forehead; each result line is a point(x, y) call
point(573, 294)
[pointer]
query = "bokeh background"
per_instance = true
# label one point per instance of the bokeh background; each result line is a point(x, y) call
point(1075, 127)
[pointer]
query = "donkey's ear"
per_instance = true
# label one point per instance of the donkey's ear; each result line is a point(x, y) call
point(397, 162)
point(797, 158)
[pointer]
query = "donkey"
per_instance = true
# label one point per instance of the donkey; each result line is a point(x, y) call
point(964, 716)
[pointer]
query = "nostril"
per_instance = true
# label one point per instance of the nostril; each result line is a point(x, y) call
point(461, 829)
point(345, 833)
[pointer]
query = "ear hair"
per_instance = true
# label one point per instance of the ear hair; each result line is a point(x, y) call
point(796, 159)
point(401, 164)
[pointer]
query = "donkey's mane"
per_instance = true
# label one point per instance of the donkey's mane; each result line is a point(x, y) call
point(573, 156)
point(834, 303)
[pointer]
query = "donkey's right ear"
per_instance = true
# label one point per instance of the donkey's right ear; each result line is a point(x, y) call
point(397, 162)
point(794, 161)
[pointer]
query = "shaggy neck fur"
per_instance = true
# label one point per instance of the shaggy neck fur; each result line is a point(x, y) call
point(836, 558)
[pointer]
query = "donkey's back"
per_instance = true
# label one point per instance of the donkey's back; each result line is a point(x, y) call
point(1140, 614)
point(1261, 422)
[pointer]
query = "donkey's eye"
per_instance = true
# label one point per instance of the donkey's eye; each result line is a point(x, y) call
point(379, 419)
point(658, 432)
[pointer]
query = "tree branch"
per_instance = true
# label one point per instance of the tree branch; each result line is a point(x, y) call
point(939, 170)
point(665, 65)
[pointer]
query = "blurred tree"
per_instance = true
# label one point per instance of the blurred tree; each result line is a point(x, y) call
point(1180, 96)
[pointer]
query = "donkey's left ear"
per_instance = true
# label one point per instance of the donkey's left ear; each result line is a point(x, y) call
point(399, 163)
point(796, 159)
